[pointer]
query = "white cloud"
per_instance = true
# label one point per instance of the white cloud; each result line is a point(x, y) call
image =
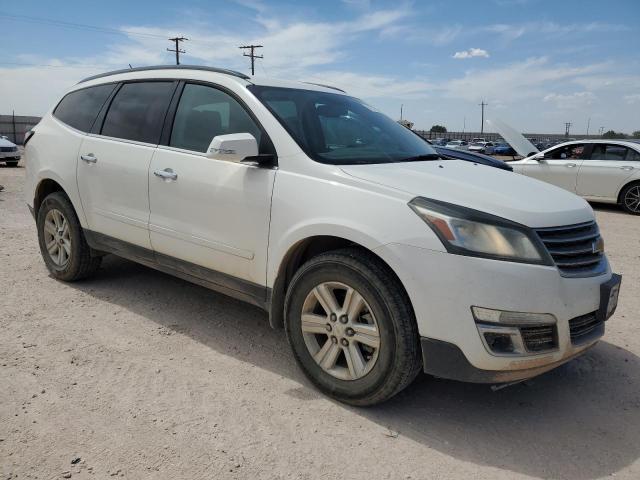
point(570, 101)
point(530, 78)
point(472, 52)
point(633, 98)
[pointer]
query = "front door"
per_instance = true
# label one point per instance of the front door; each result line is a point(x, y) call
point(210, 213)
point(560, 166)
point(114, 164)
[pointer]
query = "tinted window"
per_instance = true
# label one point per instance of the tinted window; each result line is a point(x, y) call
point(79, 109)
point(573, 151)
point(612, 152)
point(339, 129)
point(205, 112)
point(137, 111)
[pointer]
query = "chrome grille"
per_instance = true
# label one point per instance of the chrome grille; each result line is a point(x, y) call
point(8, 149)
point(585, 328)
point(540, 338)
point(574, 249)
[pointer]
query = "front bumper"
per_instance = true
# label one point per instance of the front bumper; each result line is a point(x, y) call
point(443, 287)
point(446, 360)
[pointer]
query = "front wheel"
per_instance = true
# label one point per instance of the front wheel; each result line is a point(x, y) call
point(351, 327)
point(630, 198)
point(12, 163)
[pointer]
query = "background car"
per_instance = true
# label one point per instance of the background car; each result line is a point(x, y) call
point(457, 144)
point(481, 147)
point(504, 149)
point(598, 170)
point(9, 152)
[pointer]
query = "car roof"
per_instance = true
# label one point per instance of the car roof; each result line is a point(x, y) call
point(199, 72)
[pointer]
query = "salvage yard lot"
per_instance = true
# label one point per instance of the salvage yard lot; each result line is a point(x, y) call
point(142, 375)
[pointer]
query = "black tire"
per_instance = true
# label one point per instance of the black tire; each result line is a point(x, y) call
point(13, 163)
point(627, 190)
point(399, 359)
point(81, 264)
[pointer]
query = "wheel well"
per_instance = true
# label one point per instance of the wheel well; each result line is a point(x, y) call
point(46, 187)
point(295, 258)
point(634, 182)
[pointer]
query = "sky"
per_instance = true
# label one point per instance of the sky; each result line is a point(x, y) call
point(536, 63)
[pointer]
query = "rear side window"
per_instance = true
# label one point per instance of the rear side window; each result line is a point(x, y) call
point(205, 112)
point(613, 152)
point(137, 111)
point(79, 109)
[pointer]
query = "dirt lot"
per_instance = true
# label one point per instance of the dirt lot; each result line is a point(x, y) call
point(141, 375)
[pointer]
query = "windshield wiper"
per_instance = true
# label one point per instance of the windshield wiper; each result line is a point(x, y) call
point(420, 158)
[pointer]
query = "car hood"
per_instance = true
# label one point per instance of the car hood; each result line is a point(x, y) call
point(517, 141)
point(6, 143)
point(491, 190)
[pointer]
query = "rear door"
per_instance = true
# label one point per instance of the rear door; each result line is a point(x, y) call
point(560, 166)
point(606, 169)
point(114, 161)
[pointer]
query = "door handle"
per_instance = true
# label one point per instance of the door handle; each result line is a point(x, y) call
point(626, 167)
point(89, 158)
point(570, 165)
point(166, 174)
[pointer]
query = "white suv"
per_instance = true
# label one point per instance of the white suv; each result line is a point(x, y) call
point(377, 257)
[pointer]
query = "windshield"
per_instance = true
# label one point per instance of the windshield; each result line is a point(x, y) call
point(341, 130)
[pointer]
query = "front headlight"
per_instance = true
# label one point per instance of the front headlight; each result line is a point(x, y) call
point(465, 231)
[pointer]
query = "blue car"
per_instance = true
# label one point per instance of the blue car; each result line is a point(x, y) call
point(504, 149)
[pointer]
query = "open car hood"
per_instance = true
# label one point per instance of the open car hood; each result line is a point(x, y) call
point(514, 138)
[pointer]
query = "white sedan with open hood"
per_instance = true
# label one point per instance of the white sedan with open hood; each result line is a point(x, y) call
point(598, 170)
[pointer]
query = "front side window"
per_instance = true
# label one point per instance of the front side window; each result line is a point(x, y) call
point(205, 112)
point(137, 111)
point(79, 109)
point(341, 130)
point(569, 152)
point(613, 152)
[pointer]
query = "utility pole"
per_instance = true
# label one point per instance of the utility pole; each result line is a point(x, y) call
point(482, 104)
point(601, 130)
point(252, 55)
point(567, 126)
point(588, 124)
point(464, 124)
point(177, 41)
point(401, 105)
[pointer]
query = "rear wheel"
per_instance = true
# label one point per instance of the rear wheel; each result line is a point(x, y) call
point(351, 327)
point(630, 198)
point(62, 244)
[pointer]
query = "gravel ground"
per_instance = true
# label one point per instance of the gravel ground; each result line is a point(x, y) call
point(141, 375)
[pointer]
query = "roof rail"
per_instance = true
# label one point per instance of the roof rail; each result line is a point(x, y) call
point(169, 67)
point(325, 86)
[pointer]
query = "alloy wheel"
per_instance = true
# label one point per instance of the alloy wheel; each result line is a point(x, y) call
point(632, 199)
point(57, 237)
point(340, 330)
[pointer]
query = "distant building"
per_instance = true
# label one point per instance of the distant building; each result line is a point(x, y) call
point(14, 127)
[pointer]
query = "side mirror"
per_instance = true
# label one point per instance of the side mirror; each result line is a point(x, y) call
point(234, 147)
point(539, 157)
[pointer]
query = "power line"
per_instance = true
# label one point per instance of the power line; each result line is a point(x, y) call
point(81, 26)
point(567, 127)
point(177, 41)
point(482, 104)
point(252, 55)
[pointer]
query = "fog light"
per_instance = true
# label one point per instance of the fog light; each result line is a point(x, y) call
point(499, 342)
point(511, 318)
